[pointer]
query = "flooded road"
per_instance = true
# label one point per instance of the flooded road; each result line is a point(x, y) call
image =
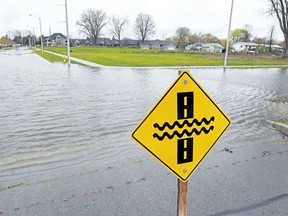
point(55, 118)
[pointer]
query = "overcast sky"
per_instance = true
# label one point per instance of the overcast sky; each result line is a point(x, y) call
point(198, 15)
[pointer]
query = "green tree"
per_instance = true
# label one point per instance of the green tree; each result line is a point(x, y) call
point(195, 38)
point(223, 42)
point(182, 37)
point(209, 38)
point(241, 35)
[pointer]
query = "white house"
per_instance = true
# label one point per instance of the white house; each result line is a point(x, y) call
point(275, 48)
point(157, 44)
point(245, 47)
point(213, 47)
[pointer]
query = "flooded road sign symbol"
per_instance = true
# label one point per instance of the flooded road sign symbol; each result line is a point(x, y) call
point(182, 127)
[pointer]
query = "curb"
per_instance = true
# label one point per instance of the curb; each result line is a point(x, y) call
point(281, 127)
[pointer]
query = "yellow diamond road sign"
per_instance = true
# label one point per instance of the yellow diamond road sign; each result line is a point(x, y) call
point(182, 127)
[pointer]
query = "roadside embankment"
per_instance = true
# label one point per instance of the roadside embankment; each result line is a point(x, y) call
point(280, 126)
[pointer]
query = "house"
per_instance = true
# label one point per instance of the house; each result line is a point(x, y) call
point(275, 48)
point(158, 44)
point(113, 43)
point(130, 43)
point(213, 47)
point(247, 47)
point(193, 47)
point(107, 42)
point(81, 42)
point(5, 42)
point(58, 39)
point(149, 44)
point(55, 40)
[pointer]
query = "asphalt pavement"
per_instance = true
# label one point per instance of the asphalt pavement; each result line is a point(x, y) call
point(250, 179)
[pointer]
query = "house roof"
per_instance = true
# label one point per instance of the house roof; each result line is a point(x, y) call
point(214, 45)
point(4, 40)
point(148, 42)
point(54, 35)
point(247, 43)
point(273, 46)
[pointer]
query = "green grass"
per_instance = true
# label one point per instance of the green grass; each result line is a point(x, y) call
point(52, 58)
point(140, 57)
point(283, 121)
point(12, 186)
point(49, 57)
point(279, 99)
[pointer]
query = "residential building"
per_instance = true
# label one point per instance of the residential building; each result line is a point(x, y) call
point(247, 47)
point(213, 47)
point(149, 44)
point(55, 40)
point(5, 42)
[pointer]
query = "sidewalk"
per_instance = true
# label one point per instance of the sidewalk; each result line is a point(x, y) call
point(252, 180)
point(81, 61)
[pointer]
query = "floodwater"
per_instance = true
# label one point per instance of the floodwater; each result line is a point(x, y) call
point(55, 118)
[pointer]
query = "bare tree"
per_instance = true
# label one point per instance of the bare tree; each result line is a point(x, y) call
point(91, 23)
point(118, 25)
point(144, 26)
point(13, 33)
point(280, 8)
point(247, 33)
point(271, 38)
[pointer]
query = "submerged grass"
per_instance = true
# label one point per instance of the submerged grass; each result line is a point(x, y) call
point(132, 57)
point(49, 57)
point(279, 99)
point(52, 58)
point(12, 186)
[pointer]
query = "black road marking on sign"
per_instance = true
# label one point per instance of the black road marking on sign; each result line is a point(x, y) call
point(185, 150)
point(185, 105)
point(180, 135)
point(186, 122)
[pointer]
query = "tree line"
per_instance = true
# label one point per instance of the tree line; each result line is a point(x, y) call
point(184, 37)
point(92, 22)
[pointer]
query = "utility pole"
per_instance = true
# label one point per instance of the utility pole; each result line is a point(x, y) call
point(228, 36)
point(67, 37)
point(40, 31)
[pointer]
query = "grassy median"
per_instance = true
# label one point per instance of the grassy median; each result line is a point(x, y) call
point(53, 58)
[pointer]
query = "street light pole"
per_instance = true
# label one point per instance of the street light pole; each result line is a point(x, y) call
point(228, 36)
point(40, 32)
point(67, 37)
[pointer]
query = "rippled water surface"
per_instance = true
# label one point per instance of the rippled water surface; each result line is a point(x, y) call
point(52, 117)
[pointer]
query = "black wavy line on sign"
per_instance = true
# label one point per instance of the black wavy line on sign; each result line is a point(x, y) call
point(180, 135)
point(186, 122)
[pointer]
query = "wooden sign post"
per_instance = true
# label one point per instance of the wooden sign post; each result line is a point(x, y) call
point(182, 198)
point(182, 192)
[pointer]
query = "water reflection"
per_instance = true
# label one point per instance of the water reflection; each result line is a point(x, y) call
point(53, 116)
